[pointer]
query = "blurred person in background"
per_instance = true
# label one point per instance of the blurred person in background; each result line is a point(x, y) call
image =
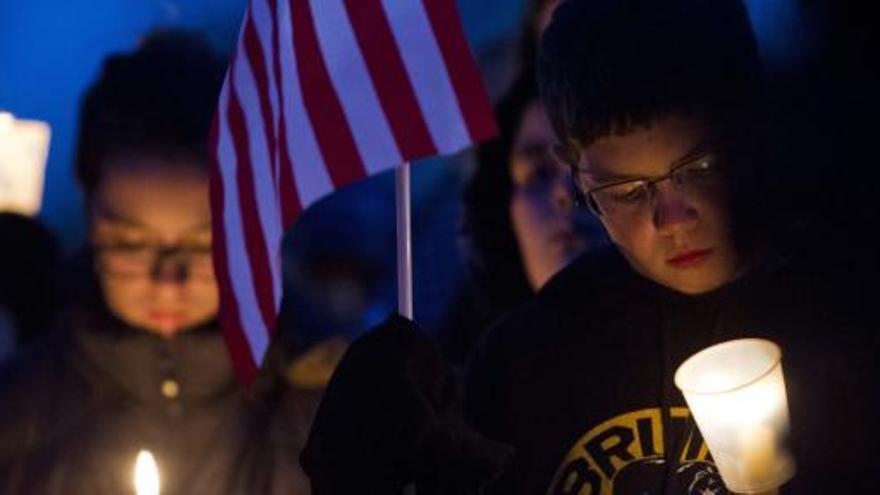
point(520, 224)
point(29, 281)
point(142, 363)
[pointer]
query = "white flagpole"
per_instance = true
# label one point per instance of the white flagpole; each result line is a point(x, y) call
point(404, 242)
point(404, 255)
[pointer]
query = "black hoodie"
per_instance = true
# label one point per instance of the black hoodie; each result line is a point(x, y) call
point(580, 381)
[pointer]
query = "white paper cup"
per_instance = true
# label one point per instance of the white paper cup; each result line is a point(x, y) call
point(736, 393)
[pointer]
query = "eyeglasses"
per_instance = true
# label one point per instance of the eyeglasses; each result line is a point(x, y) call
point(630, 197)
point(139, 260)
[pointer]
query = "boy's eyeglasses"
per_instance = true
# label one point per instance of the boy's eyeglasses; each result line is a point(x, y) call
point(633, 196)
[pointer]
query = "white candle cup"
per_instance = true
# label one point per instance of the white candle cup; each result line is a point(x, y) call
point(736, 393)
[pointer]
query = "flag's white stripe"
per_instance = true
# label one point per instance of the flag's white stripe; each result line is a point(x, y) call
point(354, 87)
point(240, 276)
point(309, 170)
point(427, 72)
point(262, 17)
point(264, 186)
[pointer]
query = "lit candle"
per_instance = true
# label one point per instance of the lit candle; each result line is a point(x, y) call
point(736, 393)
point(24, 147)
point(146, 474)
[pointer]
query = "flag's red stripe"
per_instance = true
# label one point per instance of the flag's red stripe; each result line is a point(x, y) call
point(290, 203)
point(388, 73)
point(291, 206)
point(472, 98)
point(230, 320)
point(254, 51)
point(255, 238)
point(322, 104)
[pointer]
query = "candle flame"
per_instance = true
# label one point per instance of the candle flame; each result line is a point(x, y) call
point(146, 474)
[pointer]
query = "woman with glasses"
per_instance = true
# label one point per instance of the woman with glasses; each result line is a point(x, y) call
point(142, 364)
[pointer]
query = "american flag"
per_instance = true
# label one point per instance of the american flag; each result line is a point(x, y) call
point(319, 94)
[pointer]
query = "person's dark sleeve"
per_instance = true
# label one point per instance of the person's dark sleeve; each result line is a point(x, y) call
point(391, 416)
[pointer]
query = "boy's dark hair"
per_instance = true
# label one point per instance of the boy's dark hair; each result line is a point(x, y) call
point(158, 100)
point(608, 66)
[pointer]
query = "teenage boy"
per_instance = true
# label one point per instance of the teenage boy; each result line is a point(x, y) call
point(654, 103)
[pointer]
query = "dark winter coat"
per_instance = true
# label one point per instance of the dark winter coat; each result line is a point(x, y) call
point(75, 413)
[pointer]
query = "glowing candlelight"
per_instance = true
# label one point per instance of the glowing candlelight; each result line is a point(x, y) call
point(7, 120)
point(146, 474)
point(736, 393)
point(24, 147)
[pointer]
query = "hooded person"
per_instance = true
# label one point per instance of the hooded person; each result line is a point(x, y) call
point(659, 112)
